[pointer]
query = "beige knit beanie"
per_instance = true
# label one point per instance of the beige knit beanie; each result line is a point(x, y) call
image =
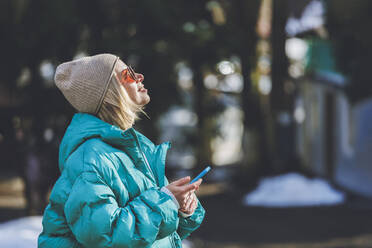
point(84, 81)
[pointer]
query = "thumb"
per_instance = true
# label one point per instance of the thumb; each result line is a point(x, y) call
point(181, 181)
point(188, 187)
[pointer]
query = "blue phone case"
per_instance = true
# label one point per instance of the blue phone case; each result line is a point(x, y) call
point(205, 171)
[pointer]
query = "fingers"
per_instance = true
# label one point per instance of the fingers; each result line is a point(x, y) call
point(186, 180)
point(189, 202)
point(197, 183)
point(190, 205)
point(193, 187)
point(188, 187)
point(181, 181)
point(186, 204)
point(183, 190)
point(194, 204)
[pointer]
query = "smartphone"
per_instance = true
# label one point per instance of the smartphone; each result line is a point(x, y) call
point(205, 171)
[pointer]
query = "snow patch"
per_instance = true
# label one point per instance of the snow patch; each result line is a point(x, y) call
point(20, 233)
point(293, 190)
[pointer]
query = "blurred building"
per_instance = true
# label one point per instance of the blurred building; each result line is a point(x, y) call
point(333, 135)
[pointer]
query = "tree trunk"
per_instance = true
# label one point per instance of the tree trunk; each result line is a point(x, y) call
point(202, 151)
point(281, 102)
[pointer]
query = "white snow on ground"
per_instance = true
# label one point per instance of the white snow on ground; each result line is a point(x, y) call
point(187, 244)
point(20, 233)
point(293, 190)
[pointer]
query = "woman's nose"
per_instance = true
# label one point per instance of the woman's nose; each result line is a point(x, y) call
point(140, 77)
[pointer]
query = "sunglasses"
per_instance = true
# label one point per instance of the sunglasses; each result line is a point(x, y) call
point(128, 75)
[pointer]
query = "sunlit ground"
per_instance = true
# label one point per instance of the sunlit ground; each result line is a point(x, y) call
point(362, 241)
point(230, 224)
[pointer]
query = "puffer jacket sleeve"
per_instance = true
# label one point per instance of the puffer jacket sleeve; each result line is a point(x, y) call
point(96, 220)
point(189, 224)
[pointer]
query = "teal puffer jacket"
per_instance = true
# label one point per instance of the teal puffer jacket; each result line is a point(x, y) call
point(108, 194)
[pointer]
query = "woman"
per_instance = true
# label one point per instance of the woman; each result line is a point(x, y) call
point(112, 191)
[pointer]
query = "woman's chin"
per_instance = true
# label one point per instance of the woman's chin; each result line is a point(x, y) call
point(145, 100)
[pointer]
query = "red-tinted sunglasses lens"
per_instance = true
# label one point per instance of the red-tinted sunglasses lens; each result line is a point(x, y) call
point(128, 75)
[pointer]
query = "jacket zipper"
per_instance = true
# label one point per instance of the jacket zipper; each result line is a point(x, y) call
point(153, 175)
point(144, 158)
point(148, 165)
point(171, 240)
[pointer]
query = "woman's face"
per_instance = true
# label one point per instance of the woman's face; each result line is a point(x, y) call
point(136, 90)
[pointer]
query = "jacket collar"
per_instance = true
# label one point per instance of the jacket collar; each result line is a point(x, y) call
point(86, 126)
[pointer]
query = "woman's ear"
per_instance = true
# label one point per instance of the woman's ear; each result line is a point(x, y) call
point(117, 77)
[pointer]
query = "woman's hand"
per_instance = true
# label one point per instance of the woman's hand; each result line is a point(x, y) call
point(183, 191)
point(190, 205)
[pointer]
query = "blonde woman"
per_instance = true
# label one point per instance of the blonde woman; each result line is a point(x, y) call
point(112, 191)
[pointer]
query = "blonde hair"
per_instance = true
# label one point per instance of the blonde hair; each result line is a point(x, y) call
point(117, 107)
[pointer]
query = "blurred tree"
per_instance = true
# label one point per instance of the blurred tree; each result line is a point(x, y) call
point(201, 50)
point(144, 34)
point(281, 100)
point(35, 36)
point(242, 36)
point(215, 30)
point(151, 35)
point(154, 36)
